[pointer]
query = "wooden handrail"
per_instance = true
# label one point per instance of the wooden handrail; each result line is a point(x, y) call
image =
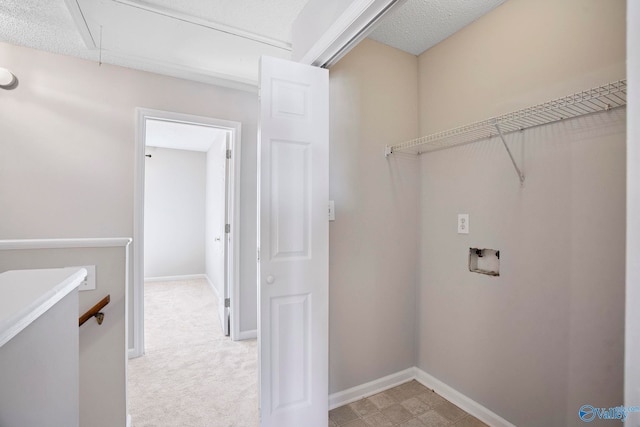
point(95, 311)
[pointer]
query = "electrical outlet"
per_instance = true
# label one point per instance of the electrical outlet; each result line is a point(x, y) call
point(463, 223)
point(89, 283)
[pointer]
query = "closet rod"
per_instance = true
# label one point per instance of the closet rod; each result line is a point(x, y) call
point(602, 98)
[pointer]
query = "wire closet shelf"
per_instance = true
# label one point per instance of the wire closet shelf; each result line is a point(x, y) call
point(603, 98)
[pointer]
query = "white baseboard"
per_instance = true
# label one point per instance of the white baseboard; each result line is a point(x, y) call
point(133, 353)
point(368, 389)
point(175, 278)
point(454, 396)
point(247, 335)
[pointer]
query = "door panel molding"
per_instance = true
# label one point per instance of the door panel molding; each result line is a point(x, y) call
point(293, 244)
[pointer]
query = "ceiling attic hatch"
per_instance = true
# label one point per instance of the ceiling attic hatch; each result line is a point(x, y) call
point(213, 42)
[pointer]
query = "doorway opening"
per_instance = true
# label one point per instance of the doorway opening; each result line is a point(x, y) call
point(217, 142)
point(186, 204)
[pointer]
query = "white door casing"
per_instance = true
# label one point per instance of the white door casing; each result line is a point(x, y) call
point(217, 216)
point(228, 219)
point(293, 239)
point(136, 294)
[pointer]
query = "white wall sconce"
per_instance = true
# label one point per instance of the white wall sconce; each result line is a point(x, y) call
point(7, 79)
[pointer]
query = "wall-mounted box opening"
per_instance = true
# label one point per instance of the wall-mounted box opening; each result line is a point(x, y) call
point(484, 261)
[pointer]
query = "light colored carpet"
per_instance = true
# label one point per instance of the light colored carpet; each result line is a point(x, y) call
point(191, 375)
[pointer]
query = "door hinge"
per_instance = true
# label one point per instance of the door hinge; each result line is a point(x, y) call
point(227, 302)
point(227, 228)
point(228, 154)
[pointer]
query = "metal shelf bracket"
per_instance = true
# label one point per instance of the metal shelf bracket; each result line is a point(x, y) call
point(513, 161)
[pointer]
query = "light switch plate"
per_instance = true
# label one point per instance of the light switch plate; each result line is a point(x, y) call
point(463, 223)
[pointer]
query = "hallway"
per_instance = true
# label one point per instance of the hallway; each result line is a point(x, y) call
point(191, 375)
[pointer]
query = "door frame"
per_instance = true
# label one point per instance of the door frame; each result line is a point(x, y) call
point(326, 30)
point(233, 280)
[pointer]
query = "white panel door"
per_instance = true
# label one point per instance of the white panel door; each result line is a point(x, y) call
point(293, 230)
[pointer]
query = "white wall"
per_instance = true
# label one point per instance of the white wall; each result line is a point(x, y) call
point(632, 354)
point(550, 328)
point(174, 212)
point(215, 220)
point(373, 243)
point(66, 157)
point(547, 336)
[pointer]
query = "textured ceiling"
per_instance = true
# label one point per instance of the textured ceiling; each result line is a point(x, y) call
point(213, 41)
point(44, 25)
point(418, 25)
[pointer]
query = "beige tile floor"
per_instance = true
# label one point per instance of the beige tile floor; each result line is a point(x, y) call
point(407, 405)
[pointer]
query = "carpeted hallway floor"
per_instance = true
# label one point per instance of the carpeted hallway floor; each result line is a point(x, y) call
point(191, 375)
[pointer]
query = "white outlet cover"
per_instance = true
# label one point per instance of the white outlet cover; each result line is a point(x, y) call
point(463, 223)
point(332, 210)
